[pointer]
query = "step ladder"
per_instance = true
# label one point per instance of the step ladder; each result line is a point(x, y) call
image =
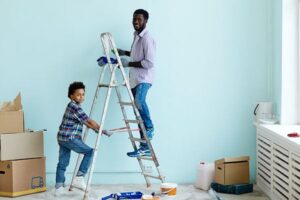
point(109, 46)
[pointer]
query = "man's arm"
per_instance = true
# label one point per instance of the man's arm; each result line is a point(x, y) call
point(123, 52)
point(149, 50)
point(126, 63)
point(135, 64)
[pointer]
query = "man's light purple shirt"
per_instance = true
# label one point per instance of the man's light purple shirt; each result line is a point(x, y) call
point(142, 50)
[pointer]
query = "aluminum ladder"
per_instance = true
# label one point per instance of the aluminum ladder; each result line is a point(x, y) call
point(109, 46)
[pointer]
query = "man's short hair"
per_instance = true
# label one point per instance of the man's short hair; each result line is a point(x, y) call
point(142, 12)
point(75, 86)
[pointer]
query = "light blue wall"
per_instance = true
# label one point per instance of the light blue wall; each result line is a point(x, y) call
point(213, 65)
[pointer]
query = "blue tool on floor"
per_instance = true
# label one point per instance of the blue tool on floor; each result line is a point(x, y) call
point(103, 61)
point(232, 189)
point(124, 195)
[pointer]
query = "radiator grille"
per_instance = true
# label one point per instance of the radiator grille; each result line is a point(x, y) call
point(295, 177)
point(281, 171)
point(264, 160)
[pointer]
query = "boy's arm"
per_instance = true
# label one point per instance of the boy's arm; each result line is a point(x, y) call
point(82, 117)
point(92, 124)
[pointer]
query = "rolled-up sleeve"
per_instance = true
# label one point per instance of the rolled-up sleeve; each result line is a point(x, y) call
point(149, 48)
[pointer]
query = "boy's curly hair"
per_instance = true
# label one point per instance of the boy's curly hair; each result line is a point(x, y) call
point(74, 86)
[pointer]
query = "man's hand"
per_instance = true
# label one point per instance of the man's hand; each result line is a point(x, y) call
point(125, 62)
point(122, 52)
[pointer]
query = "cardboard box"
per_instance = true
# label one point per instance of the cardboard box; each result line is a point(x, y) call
point(229, 171)
point(21, 177)
point(21, 146)
point(12, 116)
point(12, 121)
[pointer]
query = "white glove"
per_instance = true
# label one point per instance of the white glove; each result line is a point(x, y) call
point(125, 62)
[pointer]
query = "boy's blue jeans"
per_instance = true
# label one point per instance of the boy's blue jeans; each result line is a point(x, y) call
point(65, 148)
point(139, 94)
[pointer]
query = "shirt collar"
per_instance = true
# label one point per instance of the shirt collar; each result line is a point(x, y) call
point(141, 33)
point(75, 102)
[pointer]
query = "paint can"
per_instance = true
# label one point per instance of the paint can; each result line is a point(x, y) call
point(149, 197)
point(169, 189)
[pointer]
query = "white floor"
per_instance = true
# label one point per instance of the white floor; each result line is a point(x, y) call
point(184, 192)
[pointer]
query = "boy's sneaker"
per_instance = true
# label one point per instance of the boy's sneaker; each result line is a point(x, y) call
point(140, 152)
point(79, 183)
point(59, 191)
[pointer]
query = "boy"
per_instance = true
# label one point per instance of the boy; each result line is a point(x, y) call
point(69, 138)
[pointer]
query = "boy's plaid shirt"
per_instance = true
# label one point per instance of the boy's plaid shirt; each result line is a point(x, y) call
point(72, 122)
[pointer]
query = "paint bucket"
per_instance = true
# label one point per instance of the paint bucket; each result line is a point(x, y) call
point(168, 188)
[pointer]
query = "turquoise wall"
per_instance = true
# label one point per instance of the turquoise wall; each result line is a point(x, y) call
point(213, 65)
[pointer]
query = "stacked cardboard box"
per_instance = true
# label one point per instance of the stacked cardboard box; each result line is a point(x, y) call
point(22, 161)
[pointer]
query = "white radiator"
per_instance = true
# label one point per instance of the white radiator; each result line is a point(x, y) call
point(278, 161)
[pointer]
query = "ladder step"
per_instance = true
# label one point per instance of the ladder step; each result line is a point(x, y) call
point(146, 158)
point(126, 103)
point(133, 121)
point(138, 140)
point(151, 176)
point(107, 85)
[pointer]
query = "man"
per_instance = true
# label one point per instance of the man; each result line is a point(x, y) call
point(141, 73)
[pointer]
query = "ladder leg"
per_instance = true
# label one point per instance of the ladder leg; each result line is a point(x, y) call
point(104, 112)
point(131, 135)
point(80, 156)
point(108, 45)
point(138, 117)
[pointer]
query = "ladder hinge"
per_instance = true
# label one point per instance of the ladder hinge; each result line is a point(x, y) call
point(133, 121)
point(126, 103)
point(107, 85)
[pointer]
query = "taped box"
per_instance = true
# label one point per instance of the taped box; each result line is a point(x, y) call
point(21, 145)
point(230, 171)
point(11, 116)
point(21, 177)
